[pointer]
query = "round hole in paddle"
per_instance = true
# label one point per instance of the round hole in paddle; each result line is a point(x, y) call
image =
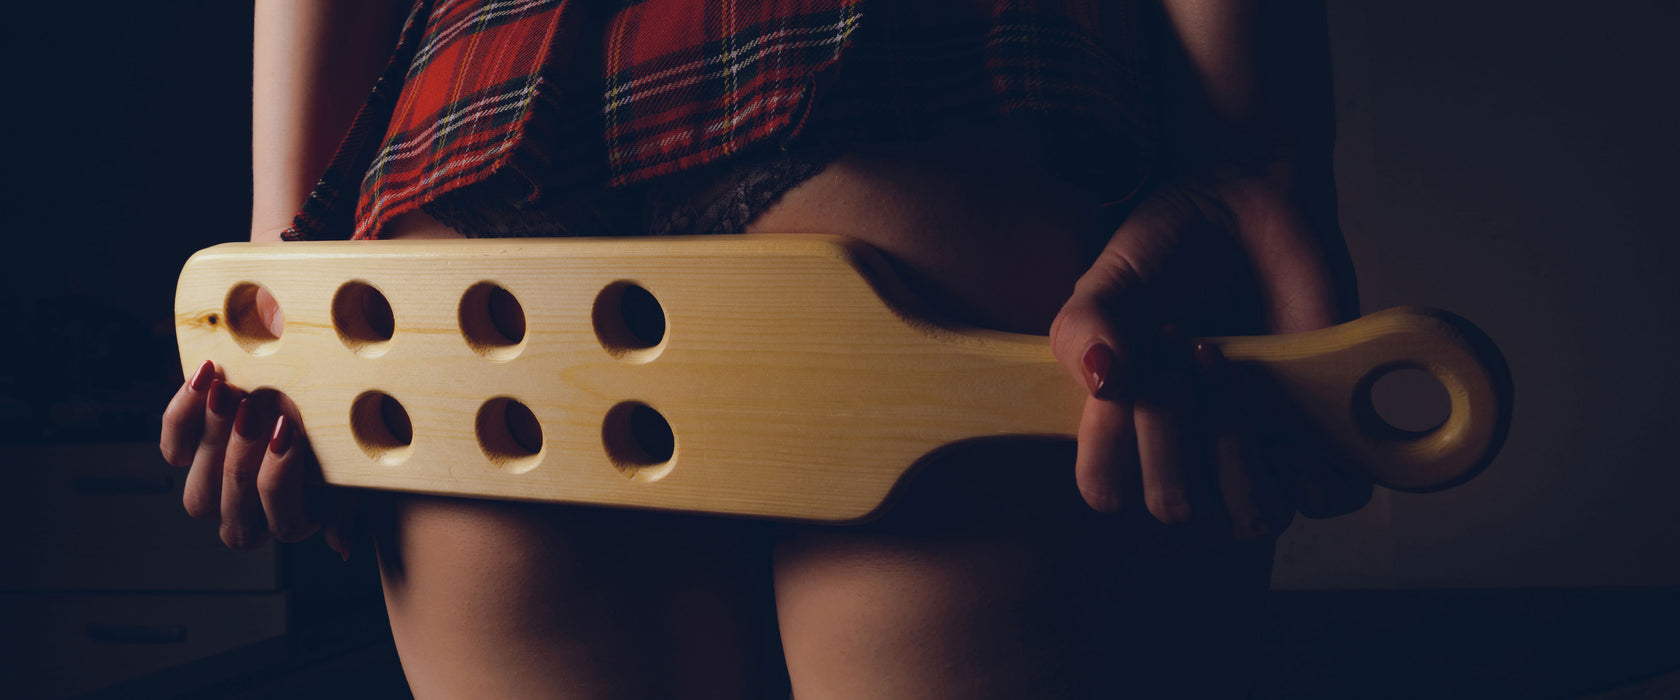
point(244, 308)
point(492, 321)
point(362, 316)
point(1406, 400)
point(509, 434)
point(629, 322)
point(381, 427)
point(639, 441)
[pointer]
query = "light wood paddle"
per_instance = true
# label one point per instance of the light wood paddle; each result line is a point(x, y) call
point(760, 375)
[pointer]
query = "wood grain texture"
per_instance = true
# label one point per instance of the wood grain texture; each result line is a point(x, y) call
point(797, 378)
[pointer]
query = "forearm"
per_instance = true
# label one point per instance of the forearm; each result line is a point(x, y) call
point(1217, 38)
point(313, 62)
point(1211, 76)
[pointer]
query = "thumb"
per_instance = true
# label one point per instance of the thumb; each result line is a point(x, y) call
point(1093, 335)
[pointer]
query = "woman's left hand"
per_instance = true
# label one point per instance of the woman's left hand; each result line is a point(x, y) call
point(1225, 254)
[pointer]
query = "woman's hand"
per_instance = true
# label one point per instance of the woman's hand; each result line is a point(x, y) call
point(1229, 253)
point(250, 461)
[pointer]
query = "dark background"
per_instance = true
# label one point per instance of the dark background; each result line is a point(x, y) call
point(1513, 162)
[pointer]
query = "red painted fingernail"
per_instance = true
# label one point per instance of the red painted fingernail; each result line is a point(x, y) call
point(1098, 361)
point(222, 400)
point(282, 439)
point(201, 378)
point(242, 419)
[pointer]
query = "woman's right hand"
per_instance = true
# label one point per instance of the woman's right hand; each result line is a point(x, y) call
point(250, 462)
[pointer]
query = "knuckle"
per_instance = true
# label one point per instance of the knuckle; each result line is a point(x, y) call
point(1168, 506)
point(1100, 499)
point(175, 415)
point(288, 531)
point(234, 469)
point(239, 538)
point(270, 483)
point(195, 507)
point(284, 532)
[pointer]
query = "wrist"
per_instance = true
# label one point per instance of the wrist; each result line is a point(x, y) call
point(1250, 147)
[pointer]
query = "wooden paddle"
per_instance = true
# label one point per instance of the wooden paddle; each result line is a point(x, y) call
point(761, 375)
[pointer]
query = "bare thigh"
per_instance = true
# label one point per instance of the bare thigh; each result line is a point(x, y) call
point(989, 577)
point(521, 600)
point(516, 600)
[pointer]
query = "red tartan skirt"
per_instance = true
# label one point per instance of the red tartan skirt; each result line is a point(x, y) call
point(542, 102)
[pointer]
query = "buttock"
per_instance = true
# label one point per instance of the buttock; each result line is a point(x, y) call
point(986, 577)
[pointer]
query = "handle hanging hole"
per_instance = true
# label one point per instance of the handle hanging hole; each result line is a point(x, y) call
point(1402, 402)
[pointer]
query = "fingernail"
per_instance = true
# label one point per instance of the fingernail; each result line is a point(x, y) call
point(222, 400)
point(201, 378)
point(244, 421)
point(282, 439)
point(1104, 501)
point(1098, 361)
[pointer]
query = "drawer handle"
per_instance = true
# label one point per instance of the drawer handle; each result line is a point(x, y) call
point(138, 634)
point(123, 485)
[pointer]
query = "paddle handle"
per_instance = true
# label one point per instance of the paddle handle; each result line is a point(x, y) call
point(1329, 375)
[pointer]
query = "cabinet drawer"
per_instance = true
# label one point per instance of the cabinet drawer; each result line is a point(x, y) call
point(59, 645)
point(109, 517)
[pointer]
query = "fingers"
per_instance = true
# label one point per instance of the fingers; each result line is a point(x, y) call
point(1251, 497)
point(244, 525)
point(249, 463)
point(183, 419)
point(1286, 456)
point(1135, 446)
point(1161, 461)
point(202, 496)
point(1106, 464)
point(1108, 305)
point(1163, 414)
point(281, 484)
point(1097, 337)
point(1091, 348)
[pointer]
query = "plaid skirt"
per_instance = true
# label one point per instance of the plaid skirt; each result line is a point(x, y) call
point(536, 117)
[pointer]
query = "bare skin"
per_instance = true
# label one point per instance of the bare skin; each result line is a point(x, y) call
point(963, 591)
point(955, 220)
point(1002, 571)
